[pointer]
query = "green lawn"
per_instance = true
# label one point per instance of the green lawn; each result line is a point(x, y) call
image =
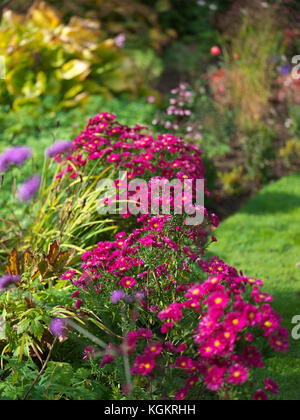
point(263, 240)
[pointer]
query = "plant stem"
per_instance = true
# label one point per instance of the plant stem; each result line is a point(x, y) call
point(41, 371)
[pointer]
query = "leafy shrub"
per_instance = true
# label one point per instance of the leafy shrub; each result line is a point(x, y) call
point(59, 381)
point(233, 182)
point(27, 307)
point(291, 151)
point(251, 71)
point(139, 20)
point(153, 282)
point(67, 210)
point(259, 150)
point(66, 63)
point(191, 327)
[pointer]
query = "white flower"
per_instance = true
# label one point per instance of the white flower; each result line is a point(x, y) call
point(201, 3)
point(288, 123)
point(213, 7)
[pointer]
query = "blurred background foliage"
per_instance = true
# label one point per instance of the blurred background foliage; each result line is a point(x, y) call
point(66, 60)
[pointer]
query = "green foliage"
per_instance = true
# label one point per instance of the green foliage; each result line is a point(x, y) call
point(250, 70)
point(294, 114)
point(233, 182)
point(27, 309)
point(60, 381)
point(259, 150)
point(38, 128)
point(291, 151)
point(66, 63)
point(218, 125)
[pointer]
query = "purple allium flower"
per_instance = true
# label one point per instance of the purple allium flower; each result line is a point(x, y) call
point(14, 156)
point(28, 189)
point(285, 69)
point(116, 296)
point(59, 147)
point(7, 280)
point(139, 295)
point(58, 327)
point(120, 40)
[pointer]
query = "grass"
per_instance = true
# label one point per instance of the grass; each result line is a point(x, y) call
point(263, 240)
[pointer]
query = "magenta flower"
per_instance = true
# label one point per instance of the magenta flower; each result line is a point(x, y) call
point(154, 348)
point(14, 156)
point(238, 374)
point(215, 220)
point(181, 393)
point(68, 275)
point(218, 300)
point(59, 147)
point(128, 282)
point(260, 396)
point(143, 364)
point(89, 352)
point(78, 304)
point(214, 380)
point(271, 386)
point(29, 188)
point(144, 333)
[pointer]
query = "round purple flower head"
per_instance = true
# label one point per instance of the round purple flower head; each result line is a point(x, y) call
point(28, 189)
point(14, 156)
point(285, 69)
point(7, 280)
point(116, 296)
point(58, 327)
point(120, 40)
point(59, 147)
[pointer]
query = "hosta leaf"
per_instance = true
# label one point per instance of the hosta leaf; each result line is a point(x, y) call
point(44, 15)
point(74, 68)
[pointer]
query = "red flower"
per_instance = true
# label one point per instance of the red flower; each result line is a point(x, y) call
point(215, 50)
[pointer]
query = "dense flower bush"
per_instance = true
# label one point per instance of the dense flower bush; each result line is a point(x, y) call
point(135, 150)
point(143, 157)
point(175, 324)
point(190, 325)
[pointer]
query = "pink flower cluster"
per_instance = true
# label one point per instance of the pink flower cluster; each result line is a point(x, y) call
point(179, 112)
point(227, 312)
point(134, 150)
